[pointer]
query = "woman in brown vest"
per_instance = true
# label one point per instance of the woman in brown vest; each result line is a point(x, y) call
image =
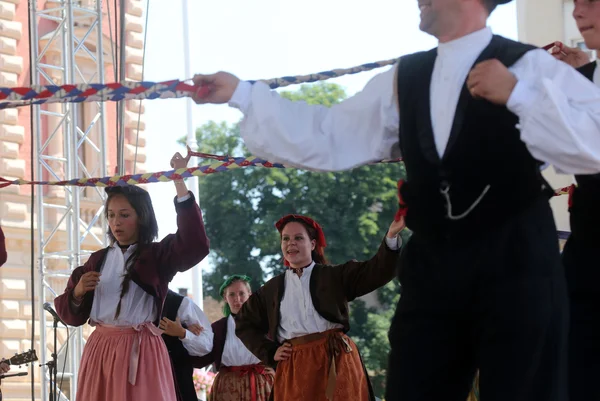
point(298, 319)
point(241, 376)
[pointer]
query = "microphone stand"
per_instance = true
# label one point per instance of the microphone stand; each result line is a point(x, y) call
point(53, 366)
point(7, 375)
point(4, 376)
point(54, 359)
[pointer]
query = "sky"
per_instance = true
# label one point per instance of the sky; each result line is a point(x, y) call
point(262, 39)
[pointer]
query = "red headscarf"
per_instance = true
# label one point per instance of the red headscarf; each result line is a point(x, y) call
point(320, 240)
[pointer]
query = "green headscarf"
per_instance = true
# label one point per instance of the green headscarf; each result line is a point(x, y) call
point(230, 280)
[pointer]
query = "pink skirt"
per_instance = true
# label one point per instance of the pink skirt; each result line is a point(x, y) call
point(126, 364)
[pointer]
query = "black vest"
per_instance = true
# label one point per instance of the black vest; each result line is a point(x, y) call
point(484, 149)
point(182, 363)
point(585, 208)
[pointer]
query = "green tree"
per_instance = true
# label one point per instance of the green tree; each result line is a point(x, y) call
point(369, 329)
point(354, 207)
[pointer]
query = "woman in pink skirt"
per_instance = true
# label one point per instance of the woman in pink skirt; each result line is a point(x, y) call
point(121, 290)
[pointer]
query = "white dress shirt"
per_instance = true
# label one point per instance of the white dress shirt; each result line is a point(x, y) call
point(190, 313)
point(235, 352)
point(558, 109)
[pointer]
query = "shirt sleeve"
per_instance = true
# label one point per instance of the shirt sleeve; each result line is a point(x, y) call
point(559, 113)
point(190, 313)
point(184, 198)
point(394, 243)
point(359, 130)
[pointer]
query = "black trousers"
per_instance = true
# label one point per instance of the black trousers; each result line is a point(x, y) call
point(581, 258)
point(495, 301)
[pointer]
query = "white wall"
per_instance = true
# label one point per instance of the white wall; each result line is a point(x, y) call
point(540, 21)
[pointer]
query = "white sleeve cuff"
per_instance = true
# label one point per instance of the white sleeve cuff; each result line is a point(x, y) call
point(241, 97)
point(393, 243)
point(183, 198)
point(188, 336)
point(522, 98)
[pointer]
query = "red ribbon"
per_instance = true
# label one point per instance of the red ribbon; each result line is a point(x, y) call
point(402, 207)
point(571, 192)
point(251, 370)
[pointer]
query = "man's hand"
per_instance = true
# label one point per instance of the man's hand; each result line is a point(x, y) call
point(492, 81)
point(216, 88)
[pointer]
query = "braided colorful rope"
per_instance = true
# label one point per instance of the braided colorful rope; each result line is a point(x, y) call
point(275, 83)
point(222, 163)
point(15, 97)
point(114, 92)
point(229, 163)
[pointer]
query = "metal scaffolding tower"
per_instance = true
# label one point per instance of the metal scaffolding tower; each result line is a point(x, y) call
point(66, 39)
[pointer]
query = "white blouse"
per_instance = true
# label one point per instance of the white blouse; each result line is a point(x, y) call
point(298, 314)
point(137, 306)
point(235, 352)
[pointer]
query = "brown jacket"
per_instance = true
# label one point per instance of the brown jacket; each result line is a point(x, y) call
point(331, 288)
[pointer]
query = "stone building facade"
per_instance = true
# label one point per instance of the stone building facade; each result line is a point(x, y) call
point(15, 147)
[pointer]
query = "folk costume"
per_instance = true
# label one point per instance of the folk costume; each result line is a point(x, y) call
point(482, 281)
point(582, 265)
point(240, 375)
point(310, 312)
point(125, 358)
point(182, 351)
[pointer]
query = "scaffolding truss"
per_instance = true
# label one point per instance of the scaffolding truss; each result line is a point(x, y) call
point(66, 41)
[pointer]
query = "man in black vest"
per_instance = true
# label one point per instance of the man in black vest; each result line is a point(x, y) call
point(581, 255)
point(482, 282)
point(187, 334)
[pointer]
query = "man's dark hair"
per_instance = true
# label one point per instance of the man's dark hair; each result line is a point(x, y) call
point(490, 5)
